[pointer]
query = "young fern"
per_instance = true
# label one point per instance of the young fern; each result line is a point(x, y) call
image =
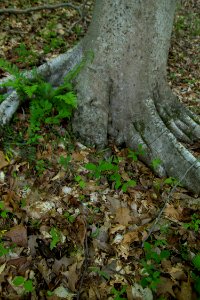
point(48, 105)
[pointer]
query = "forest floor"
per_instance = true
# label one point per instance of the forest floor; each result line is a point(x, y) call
point(77, 223)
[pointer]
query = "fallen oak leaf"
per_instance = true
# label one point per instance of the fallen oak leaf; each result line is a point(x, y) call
point(18, 235)
point(122, 216)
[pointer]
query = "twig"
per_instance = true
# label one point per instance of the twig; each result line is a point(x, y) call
point(165, 204)
point(37, 8)
point(85, 267)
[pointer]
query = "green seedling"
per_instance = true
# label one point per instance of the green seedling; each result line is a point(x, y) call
point(21, 281)
point(150, 272)
point(196, 279)
point(64, 161)
point(194, 224)
point(95, 234)
point(80, 181)
point(196, 261)
point(4, 250)
point(118, 294)
point(25, 55)
point(71, 218)
point(40, 166)
point(110, 170)
point(171, 181)
point(3, 211)
point(56, 237)
point(156, 163)
point(134, 154)
point(103, 274)
point(104, 167)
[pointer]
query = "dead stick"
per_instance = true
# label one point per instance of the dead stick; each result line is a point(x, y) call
point(37, 8)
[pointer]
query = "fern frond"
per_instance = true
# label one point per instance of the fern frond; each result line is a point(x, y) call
point(30, 90)
point(8, 67)
point(69, 98)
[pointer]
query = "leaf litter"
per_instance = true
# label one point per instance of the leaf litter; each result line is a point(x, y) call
point(76, 236)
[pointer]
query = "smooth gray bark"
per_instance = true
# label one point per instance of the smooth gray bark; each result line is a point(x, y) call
point(124, 93)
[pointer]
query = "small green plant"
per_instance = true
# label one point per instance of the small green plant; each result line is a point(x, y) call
point(196, 261)
point(134, 154)
point(64, 161)
point(118, 294)
point(110, 170)
point(51, 37)
point(49, 293)
point(171, 181)
point(3, 211)
point(103, 274)
point(21, 281)
point(40, 166)
point(25, 55)
point(4, 250)
point(194, 224)
point(48, 105)
point(156, 163)
point(71, 218)
point(56, 237)
point(195, 274)
point(196, 279)
point(78, 30)
point(151, 274)
point(53, 41)
point(95, 234)
point(80, 181)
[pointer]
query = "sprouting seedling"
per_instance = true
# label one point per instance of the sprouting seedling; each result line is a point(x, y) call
point(171, 181)
point(196, 261)
point(3, 211)
point(118, 294)
point(156, 163)
point(80, 181)
point(134, 154)
point(64, 161)
point(194, 224)
point(56, 237)
point(21, 281)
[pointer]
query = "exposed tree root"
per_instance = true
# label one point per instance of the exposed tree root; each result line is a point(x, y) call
point(182, 122)
point(161, 143)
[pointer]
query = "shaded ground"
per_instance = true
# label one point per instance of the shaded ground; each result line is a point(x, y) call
point(72, 226)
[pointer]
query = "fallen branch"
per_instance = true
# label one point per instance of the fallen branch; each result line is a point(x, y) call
point(37, 8)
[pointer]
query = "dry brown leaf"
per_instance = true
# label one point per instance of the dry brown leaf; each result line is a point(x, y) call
point(123, 216)
point(125, 176)
point(172, 212)
point(77, 156)
point(81, 229)
point(185, 292)
point(177, 272)
point(3, 161)
point(165, 286)
point(130, 237)
point(72, 277)
point(59, 175)
point(116, 228)
point(18, 235)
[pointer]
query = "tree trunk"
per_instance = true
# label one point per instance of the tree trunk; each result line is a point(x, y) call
point(124, 95)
